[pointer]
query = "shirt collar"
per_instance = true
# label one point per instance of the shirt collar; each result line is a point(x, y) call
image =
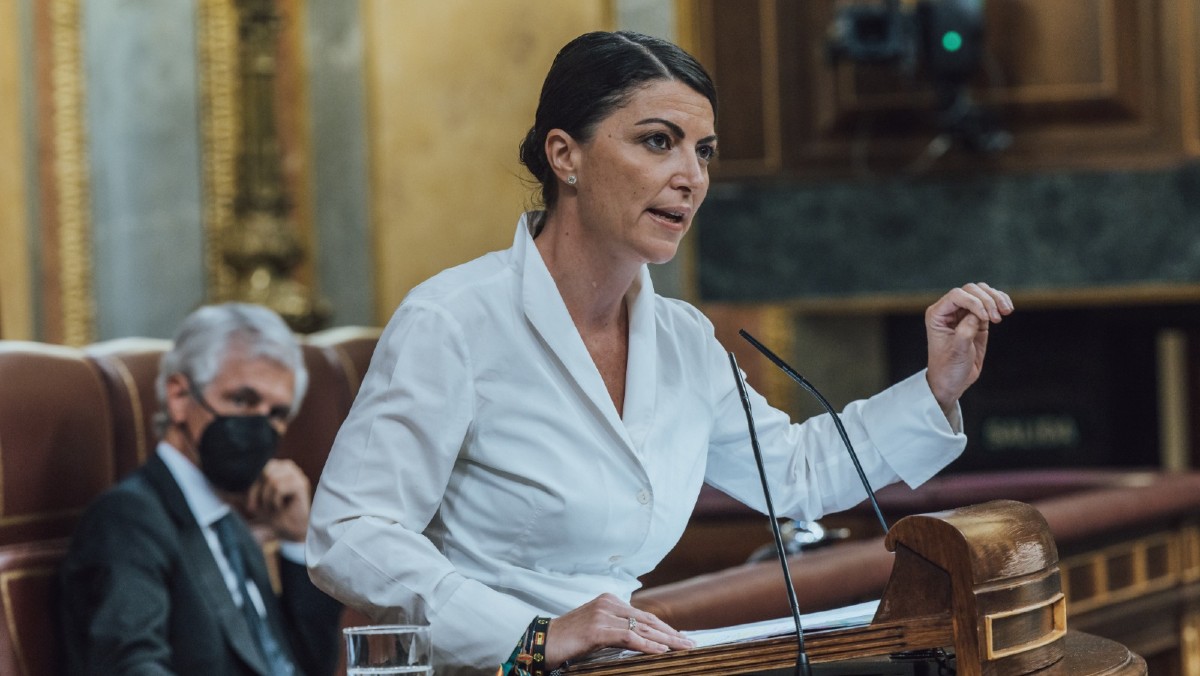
point(547, 312)
point(206, 507)
point(641, 293)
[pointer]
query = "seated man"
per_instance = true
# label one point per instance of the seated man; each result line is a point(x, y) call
point(163, 575)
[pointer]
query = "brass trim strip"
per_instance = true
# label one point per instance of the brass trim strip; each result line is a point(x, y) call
point(1189, 644)
point(1189, 554)
point(1174, 420)
point(135, 403)
point(1058, 613)
point(70, 172)
point(1141, 583)
point(10, 615)
point(35, 517)
point(217, 40)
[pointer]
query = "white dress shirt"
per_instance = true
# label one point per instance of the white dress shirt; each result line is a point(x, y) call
point(484, 475)
point(208, 509)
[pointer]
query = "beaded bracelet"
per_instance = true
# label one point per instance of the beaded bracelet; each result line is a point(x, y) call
point(529, 657)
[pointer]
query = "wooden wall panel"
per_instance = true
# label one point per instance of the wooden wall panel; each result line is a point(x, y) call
point(1079, 84)
point(1188, 19)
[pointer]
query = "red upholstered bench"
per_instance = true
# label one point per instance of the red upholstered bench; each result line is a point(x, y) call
point(74, 421)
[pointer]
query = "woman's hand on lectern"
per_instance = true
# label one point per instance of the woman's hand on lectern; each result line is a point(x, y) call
point(607, 621)
point(956, 328)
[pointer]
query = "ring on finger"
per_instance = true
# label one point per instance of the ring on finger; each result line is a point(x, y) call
point(633, 624)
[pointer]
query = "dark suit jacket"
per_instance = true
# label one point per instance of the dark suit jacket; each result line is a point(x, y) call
point(142, 594)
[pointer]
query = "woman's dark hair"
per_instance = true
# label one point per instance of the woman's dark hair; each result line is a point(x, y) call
point(593, 75)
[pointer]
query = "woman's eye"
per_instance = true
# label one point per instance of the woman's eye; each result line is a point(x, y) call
point(658, 141)
point(706, 153)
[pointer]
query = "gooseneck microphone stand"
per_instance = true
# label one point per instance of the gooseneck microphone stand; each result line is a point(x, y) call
point(802, 666)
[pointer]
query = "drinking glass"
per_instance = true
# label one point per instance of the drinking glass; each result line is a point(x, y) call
point(388, 649)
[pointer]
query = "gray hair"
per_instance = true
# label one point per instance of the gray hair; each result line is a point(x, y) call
point(207, 335)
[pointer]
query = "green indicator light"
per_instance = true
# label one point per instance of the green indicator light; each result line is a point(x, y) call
point(952, 41)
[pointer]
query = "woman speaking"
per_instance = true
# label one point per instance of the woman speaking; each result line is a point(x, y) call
point(536, 424)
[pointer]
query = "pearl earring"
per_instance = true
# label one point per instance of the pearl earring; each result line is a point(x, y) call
point(571, 180)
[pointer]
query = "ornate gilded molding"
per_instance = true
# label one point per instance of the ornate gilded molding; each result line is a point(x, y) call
point(253, 248)
point(218, 58)
point(66, 139)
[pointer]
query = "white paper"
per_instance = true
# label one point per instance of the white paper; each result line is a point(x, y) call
point(849, 616)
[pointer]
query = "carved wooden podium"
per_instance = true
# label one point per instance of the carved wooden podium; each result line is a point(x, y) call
point(981, 582)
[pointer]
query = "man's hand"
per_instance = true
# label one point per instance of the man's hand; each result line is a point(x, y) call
point(281, 498)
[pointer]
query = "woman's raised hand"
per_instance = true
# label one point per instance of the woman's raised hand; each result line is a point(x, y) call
point(607, 621)
point(956, 328)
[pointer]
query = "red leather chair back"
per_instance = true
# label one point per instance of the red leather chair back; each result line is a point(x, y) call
point(56, 456)
point(129, 367)
point(336, 360)
point(310, 434)
point(56, 451)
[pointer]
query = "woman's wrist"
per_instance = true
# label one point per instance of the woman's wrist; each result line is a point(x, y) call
point(529, 657)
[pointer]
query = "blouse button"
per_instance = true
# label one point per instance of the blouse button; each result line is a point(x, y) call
point(644, 496)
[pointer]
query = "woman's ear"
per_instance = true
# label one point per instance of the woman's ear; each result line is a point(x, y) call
point(562, 153)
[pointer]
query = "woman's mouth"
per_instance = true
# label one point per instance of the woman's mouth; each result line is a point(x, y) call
point(675, 217)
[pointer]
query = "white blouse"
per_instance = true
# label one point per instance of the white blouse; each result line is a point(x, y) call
point(484, 475)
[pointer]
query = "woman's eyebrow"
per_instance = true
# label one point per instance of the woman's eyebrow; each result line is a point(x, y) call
point(675, 129)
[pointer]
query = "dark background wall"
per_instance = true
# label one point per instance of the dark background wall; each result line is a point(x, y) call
point(1066, 383)
point(1064, 230)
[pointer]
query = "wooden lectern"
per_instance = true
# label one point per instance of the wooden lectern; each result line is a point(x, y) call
point(981, 582)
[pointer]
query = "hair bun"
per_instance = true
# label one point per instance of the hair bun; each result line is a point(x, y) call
point(533, 156)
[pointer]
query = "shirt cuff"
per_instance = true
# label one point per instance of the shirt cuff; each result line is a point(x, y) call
point(292, 551)
point(955, 419)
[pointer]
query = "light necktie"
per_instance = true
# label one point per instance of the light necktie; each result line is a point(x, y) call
point(277, 659)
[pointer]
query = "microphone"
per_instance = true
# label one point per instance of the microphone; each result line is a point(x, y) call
point(837, 420)
point(802, 666)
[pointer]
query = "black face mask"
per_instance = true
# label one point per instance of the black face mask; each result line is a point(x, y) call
point(234, 449)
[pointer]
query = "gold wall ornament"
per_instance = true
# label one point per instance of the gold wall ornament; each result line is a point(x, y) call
point(67, 302)
point(261, 246)
point(218, 57)
point(70, 171)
